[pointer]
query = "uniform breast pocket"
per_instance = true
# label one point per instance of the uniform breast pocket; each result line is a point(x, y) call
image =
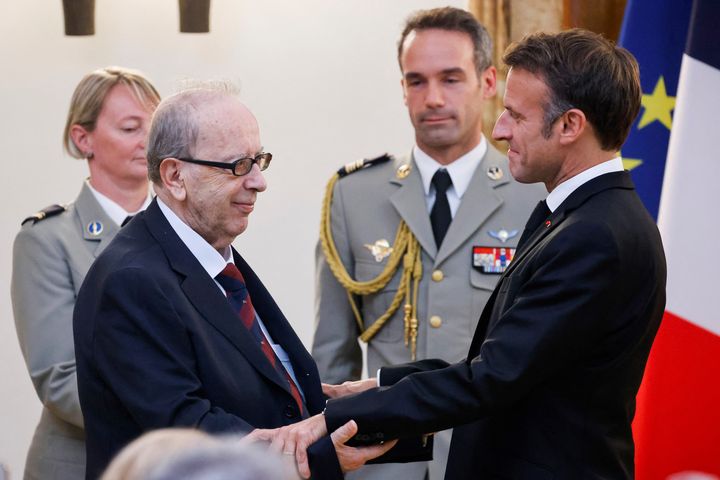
point(504, 299)
point(482, 285)
point(374, 305)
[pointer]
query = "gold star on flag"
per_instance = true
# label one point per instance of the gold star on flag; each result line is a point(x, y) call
point(630, 163)
point(657, 106)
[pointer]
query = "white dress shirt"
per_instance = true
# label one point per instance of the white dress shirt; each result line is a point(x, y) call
point(460, 171)
point(116, 213)
point(562, 191)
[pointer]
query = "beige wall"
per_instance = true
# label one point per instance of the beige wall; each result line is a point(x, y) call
point(508, 21)
point(320, 74)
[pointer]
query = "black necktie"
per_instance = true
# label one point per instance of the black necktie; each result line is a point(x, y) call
point(440, 216)
point(127, 220)
point(537, 217)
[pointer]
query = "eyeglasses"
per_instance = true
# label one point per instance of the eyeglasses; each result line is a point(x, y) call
point(239, 167)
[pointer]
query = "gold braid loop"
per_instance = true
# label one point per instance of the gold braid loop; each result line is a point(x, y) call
point(405, 249)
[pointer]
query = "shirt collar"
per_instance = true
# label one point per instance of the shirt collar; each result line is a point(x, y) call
point(460, 170)
point(116, 213)
point(562, 191)
point(211, 261)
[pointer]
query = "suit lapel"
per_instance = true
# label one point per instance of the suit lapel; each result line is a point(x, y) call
point(89, 212)
point(481, 329)
point(574, 201)
point(556, 219)
point(478, 203)
point(281, 331)
point(205, 295)
point(409, 201)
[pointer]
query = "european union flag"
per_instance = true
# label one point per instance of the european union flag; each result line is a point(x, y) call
point(655, 32)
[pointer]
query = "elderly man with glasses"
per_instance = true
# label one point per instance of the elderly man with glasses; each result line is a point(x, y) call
point(172, 327)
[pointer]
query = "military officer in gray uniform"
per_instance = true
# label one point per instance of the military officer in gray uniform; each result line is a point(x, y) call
point(107, 124)
point(412, 246)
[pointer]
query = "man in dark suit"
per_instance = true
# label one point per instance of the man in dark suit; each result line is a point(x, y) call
point(548, 387)
point(172, 327)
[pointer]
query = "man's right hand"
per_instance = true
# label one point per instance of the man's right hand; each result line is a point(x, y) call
point(296, 438)
point(348, 388)
point(352, 458)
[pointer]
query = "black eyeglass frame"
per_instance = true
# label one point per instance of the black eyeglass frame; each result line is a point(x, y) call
point(261, 159)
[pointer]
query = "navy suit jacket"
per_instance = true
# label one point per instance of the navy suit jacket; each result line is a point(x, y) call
point(548, 387)
point(158, 345)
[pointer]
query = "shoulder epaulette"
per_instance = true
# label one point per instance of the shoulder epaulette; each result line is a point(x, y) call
point(361, 164)
point(46, 212)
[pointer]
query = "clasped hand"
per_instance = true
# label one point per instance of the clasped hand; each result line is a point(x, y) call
point(296, 438)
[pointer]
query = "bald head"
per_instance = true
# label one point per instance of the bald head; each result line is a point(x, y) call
point(212, 113)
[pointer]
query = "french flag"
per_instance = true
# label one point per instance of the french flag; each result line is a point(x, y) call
point(677, 425)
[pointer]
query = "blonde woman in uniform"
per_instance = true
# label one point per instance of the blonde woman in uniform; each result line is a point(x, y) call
point(107, 124)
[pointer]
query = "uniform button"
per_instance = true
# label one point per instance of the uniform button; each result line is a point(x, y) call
point(437, 275)
point(291, 411)
point(435, 321)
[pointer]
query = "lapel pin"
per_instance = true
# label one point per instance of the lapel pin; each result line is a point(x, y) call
point(547, 223)
point(95, 228)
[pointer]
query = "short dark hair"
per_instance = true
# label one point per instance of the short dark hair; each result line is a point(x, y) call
point(583, 70)
point(455, 20)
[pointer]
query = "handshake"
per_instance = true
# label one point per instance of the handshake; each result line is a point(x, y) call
point(296, 438)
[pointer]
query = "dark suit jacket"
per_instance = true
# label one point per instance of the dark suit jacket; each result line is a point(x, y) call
point(548, 387)
point(158, 345)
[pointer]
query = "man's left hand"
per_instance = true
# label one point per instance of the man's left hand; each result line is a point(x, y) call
point(348, 388)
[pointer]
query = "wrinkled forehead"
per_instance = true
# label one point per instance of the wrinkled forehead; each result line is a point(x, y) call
point(227, 129)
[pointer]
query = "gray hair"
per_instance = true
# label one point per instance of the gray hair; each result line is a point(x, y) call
point(552, 110)
point(174, 129)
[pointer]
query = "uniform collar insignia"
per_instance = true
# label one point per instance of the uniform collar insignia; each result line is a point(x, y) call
point(95, 228)
point(403, 171)
point(495, 173)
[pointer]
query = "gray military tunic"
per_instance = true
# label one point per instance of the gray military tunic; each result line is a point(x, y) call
point(367, 206)
point(50, 260)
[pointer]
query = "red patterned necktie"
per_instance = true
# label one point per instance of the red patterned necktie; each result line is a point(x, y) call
point(234, 284)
